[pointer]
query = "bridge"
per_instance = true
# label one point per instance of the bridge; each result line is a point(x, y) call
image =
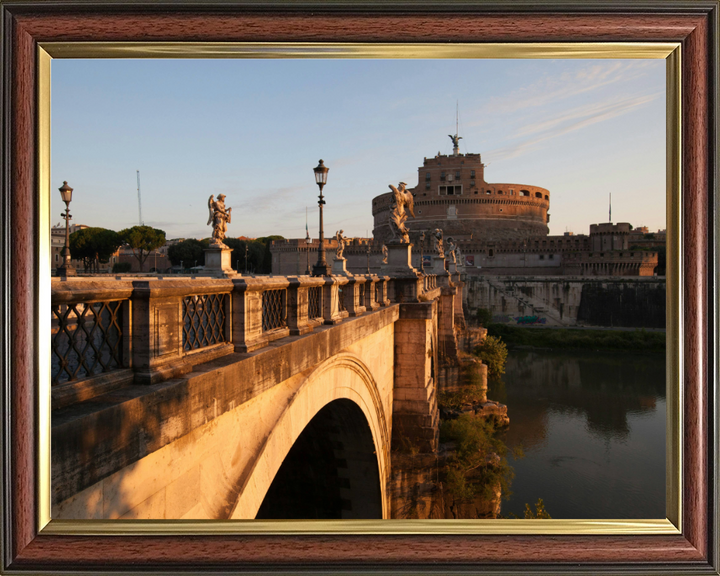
point(249, 397)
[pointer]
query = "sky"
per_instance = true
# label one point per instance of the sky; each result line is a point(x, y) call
point(253, 129)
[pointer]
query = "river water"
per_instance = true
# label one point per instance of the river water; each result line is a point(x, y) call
point(592, 428)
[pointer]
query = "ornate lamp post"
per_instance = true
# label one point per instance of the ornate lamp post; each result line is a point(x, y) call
point(67, 268)
point(368, 257)
point(321, 268)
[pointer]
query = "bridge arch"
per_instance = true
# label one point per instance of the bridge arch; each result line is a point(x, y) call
point(345, 378)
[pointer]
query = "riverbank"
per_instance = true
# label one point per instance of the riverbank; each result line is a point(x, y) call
point(579, 339)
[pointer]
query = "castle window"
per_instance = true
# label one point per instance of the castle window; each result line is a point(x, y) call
point(500, 191)
point(427, 176)
point(472, 173)
point(457, 174)
point(542, 257)
point(472, 182)
point(427, 186)
point(538, 195)
point(524, 193)
point(546, 197)
point(488, 192)
point(551, 256)
point(442, 175)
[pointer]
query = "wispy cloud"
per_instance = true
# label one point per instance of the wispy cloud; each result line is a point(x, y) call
point(571, 121)
point(553, 88)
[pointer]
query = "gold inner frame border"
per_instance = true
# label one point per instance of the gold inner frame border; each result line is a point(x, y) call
point(670, 51)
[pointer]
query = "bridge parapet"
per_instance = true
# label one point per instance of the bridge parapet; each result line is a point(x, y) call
point(107, 333)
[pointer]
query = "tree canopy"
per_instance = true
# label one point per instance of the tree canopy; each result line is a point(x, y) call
point(94, 245)
point(143, 240)
point(188, 252)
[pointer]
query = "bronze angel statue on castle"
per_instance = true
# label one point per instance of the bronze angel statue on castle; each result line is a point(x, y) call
point(402, 200)
point(219, 217)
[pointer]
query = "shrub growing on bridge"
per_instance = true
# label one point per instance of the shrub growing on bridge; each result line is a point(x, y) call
point(493, 353)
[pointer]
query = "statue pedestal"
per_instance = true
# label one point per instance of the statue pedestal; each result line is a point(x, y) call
point(438, 265)
point(399, 261)
point(452, 267)
point(217, 262)
point(339, 267)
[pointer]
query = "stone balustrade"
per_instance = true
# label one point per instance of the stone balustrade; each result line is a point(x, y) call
point(109, 333)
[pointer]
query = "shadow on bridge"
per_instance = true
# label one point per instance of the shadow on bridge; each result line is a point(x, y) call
point(331, 472)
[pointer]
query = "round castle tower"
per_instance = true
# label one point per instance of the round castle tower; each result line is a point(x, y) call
point(452, 195)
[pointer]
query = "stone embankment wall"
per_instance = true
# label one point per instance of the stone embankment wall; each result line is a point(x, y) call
point(569, 301)
point(417, 491)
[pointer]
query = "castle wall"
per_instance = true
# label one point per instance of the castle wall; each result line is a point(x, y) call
point(569, 301)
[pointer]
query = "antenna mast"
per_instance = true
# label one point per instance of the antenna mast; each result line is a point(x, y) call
point(140, 218)
point(610, 209)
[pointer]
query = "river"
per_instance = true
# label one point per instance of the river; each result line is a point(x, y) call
point(592, 428)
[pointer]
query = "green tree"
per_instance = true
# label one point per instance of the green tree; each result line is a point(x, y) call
point(121, 267)
point(94, 245)
point(188, 252)
point(265, 266)
point(493, 353)
point(484, 316)
point(257, 255)
point(540, 511)
point(143, 240)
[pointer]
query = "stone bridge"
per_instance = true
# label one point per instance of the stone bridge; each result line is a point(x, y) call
point(250, 397)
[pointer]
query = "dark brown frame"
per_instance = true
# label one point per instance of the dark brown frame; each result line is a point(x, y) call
point(693, 23)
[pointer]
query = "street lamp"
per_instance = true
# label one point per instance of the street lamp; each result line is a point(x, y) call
point(368, 258)
point(321, 268)
point(422, 253)
point(67, 268)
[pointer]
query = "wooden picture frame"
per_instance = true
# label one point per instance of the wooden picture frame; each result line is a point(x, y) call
point(692, 23)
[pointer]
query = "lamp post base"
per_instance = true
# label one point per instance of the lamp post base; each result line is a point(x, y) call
point(65, 271)
point(321, 269)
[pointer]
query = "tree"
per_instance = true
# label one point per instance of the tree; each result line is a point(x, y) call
point(143, 240)
point(484, 316)
point(256, 255)
point(493, 353)
point(188, 252)
point(266, 266)
point(94, 245)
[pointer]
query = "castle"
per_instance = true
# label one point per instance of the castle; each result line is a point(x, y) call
point(501, 229)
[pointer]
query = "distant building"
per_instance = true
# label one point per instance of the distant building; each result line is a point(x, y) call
point(501, 229)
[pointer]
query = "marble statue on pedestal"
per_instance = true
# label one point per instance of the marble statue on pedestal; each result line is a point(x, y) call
point(402, 200)
point(219, 217)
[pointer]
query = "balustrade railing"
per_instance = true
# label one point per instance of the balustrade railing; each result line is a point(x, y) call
point(315, 302)
point(430, 281)
point(86, 339)
point(110, 332)
point(203, 320)
point(274, 309)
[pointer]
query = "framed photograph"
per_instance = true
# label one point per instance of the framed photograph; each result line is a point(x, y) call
point(683, 33)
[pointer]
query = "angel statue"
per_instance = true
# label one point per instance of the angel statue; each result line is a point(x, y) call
point(341, 241)
point(450, 254)
point(219, 217)
point(385, 254)
point(455, 140)
point(439, 242)
point(459, 257)
point(402, 199)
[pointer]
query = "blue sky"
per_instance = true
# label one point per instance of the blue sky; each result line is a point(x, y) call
point(254, 129)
